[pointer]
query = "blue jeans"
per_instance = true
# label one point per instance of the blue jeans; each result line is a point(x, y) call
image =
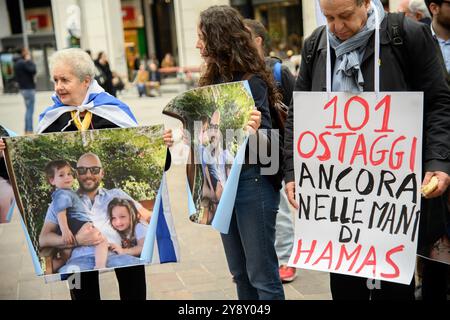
point(249, 245)
point(28, 96)
point(141, 89)
point(87, 263)
point(284, 239)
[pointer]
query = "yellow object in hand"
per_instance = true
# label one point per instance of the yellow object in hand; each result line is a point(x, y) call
point(430, 187)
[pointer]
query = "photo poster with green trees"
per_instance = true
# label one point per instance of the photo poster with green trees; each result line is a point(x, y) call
point(132, 162)
point(214, 120)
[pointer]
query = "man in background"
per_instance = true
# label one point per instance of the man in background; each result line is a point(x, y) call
point(415, 9)
point(25, 70)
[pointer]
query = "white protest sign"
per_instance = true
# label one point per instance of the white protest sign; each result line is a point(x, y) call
point(358, 169)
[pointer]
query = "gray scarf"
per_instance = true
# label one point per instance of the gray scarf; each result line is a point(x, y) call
point(347, 71)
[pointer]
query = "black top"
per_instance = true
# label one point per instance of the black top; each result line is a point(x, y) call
point(105, 81)
point(97, 123)
point(24, 73)
point(3, 171)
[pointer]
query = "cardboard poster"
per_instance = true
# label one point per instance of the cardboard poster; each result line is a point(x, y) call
point(213, 120)
point(358, 175)
point(101, 181)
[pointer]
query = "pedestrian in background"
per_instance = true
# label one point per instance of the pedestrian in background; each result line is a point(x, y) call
point(104, 76)
point(25, 70)
point(415, 9)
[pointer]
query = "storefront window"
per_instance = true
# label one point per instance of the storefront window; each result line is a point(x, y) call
point(282, 19)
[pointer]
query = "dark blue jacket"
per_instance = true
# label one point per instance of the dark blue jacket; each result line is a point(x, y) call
point(24, 73)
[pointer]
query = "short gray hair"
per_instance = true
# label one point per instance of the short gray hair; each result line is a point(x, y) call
point(419, 6)
point(80, 62)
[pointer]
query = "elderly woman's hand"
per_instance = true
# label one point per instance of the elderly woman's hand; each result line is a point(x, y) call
point(168, 138)
point(254, 122)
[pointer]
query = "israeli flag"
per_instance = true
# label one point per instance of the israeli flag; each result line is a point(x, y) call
point(98, 102)
point(161, 243)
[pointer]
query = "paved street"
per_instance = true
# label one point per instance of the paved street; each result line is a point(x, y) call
point(202, 273)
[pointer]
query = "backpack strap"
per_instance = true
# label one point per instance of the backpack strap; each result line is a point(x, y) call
point(277, 73)
point(311, 46)
point(396, 35)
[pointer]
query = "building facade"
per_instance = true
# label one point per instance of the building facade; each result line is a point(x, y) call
point(127, 29)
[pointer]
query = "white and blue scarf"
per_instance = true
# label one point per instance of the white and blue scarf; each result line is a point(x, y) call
point(347, 71)
point(98, 102)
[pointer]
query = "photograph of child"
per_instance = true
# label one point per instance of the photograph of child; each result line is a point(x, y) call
point(126, 220)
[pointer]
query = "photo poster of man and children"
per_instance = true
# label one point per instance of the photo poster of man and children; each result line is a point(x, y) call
point(104, 182)
point(213, 142)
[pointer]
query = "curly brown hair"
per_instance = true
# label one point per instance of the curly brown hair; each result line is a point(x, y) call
point(230, 48)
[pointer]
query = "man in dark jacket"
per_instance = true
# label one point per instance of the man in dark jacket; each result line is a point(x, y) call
point(436, 226)
point(25, 70)
point(347, 20)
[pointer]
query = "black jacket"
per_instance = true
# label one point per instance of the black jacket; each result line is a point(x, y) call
point(424, 73)
point(3, 171)
point(24, 71)
point(105, 80)
point(63, 120)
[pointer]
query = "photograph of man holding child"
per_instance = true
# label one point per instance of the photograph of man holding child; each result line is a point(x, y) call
point(85, 212)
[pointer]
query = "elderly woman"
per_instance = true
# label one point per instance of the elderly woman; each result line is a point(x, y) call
point(81, 104)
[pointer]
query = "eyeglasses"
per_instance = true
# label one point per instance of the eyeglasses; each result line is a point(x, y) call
point(214, 126)
point(83, 170)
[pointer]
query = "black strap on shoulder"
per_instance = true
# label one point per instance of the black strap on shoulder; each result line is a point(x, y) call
point(396, 33)
point(312, 43)
point(311, 47)
point(395, 27)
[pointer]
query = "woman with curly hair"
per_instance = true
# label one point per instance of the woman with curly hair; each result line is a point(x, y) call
point(226, 46)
